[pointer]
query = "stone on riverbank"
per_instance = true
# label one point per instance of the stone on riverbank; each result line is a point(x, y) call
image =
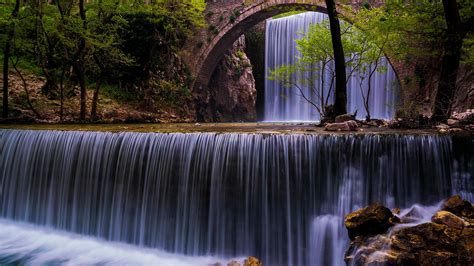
point(345, 126)
point(344, 118)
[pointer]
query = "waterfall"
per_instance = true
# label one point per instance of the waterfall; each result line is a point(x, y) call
point(286, 104)
point(278, 197)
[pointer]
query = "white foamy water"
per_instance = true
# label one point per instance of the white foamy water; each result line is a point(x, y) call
point(32, 245)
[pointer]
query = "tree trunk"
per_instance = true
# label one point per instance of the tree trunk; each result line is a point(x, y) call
point(79, 64)
point(340, 105)
point(6, 58)
point(450, 61)
point(95, 99)
point(25, 87)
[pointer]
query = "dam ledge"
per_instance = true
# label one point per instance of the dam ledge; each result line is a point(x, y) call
point(238, 128)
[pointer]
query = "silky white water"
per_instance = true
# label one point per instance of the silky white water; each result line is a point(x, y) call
point(26, 244)
point(286, 104)
point(281, 198)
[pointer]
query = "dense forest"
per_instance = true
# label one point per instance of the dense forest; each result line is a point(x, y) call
point(126, 50)
point(130, 53)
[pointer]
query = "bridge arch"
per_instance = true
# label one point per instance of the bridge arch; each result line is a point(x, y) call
point(250, 16)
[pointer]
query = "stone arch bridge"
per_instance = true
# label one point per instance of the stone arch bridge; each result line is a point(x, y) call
point(229, 19)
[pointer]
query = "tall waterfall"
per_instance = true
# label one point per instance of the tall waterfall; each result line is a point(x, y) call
point(286, 104)
point(278, 197)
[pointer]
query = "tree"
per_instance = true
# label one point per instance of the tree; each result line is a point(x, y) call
point(368, 45)
point(78, 61)
point(105, 57)
point(450, 61)
point(316, 54)
point(340, 104)
point(315, 62)
point(85, 44)
point(423, 34)
point(6, 56)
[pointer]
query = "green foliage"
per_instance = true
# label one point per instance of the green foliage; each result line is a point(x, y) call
point(413, 29)
point(124, 42)
point(111, 91)
point(468, 56)
point(316, 53)
point(234, 15)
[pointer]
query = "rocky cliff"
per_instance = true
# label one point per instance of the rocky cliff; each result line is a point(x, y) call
point(231, 95)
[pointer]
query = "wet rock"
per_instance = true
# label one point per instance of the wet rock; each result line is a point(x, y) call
point(252, 261)
point(449, 219)
point(345, 126)
point(414, 214)
point(396, 211)
point(447, 240)
point(373, 220)
point(344, 118)
point(459, 207)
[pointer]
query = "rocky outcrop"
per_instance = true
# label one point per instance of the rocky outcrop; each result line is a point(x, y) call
point(459, 207)
point(448, 239)
point(231, 95)
point(373, 220)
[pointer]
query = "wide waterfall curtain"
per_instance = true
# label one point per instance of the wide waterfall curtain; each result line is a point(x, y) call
point(286, 104)
point(278, 197)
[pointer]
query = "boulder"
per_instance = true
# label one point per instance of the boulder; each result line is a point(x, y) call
point(459, 207)
point(449, 219)
point(372, 220)
point(345, 126)
point(447, 240)
point(252, 261)
point(344, 118)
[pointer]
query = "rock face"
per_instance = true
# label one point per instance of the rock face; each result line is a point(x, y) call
point(344, 126)
point(231, 95)
point(459, 207)
point(373, 220)
point(447, 240)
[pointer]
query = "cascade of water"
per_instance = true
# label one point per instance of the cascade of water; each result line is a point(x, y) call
point(278, 197)
point(25, 244)
point(286, 104)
